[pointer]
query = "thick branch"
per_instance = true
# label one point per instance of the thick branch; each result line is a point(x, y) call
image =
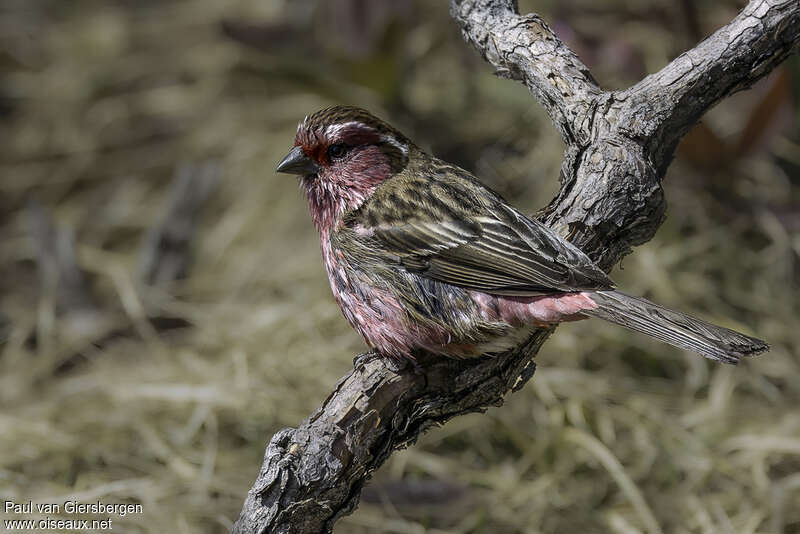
point(524, 48)
point(610, 200)
point(313, 475)
point(663, 106)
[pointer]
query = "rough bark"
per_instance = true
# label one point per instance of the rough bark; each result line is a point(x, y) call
point(619, 145)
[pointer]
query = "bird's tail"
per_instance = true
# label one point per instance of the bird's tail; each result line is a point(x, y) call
point(673, 327)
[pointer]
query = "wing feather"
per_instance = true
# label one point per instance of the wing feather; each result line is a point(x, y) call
point(487, 246)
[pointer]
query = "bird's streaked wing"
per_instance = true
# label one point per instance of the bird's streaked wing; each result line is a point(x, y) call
point(491, 248)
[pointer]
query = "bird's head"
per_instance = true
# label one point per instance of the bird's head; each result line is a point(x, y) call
point(342, 154)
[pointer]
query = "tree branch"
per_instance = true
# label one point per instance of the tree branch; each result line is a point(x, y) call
point(313, 475)
point(665, 105)
point(524, 48)
point(610, 200)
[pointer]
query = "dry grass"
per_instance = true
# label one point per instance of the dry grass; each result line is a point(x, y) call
point(101, 103)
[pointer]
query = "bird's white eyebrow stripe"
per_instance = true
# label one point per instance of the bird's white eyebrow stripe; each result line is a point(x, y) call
point(395, 143)
point(333, 129)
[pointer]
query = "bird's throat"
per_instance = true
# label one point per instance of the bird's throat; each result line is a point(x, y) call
point(337, 191)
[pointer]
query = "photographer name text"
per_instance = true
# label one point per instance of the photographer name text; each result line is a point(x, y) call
point(69, 507)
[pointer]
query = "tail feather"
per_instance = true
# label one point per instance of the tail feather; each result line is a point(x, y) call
point(673, 327)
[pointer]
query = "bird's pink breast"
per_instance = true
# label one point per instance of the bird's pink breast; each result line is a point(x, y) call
point(375, 313)
point(380, 318)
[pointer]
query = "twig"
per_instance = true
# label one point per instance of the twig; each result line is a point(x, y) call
point(166, 251)
point(619, 146)
point(62, 280)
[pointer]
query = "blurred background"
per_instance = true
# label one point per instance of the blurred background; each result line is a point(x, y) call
point(164, 309)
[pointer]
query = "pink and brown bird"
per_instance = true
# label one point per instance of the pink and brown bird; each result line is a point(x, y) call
point(422, 256)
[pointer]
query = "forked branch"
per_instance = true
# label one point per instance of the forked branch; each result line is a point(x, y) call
point(618, 148)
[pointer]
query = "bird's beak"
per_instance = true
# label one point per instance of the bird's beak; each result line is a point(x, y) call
point(297, 162)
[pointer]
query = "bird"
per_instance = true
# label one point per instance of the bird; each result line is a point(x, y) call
point(421, 256)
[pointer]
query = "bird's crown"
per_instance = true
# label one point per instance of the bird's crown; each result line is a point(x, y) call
point(320, 121)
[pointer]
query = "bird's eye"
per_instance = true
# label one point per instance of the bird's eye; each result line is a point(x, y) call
point(337, 151)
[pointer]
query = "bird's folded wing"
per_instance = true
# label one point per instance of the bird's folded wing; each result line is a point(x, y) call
point(500, 252)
